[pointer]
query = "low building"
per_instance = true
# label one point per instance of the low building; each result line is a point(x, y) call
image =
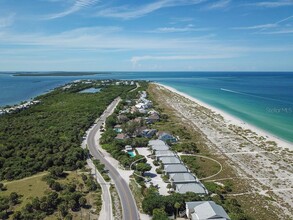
point(175, 168)
point(205, 210)
point(165, 136)
point(160, 148)
point(158, 145)
point(148, 133)
point(152, 118)
point(177, 178)
point(122, 118)
point(197, 188)
point(170, 160)
point(121, 136)
point(164, 153)
point(128, 148)
point(156, 142)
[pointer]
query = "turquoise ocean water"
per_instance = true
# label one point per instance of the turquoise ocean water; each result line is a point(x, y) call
point(262, 99)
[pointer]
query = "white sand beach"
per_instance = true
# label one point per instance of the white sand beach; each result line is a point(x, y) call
point(257, 157)
point(230, 119)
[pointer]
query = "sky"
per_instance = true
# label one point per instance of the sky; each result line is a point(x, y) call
point(146, 35)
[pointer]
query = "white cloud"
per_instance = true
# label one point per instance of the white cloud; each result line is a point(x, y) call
point(218, 5)
point(280, 31)
point(77, 6)
point(272, 4)
point(126, 12)
point(7, 21)
point(276, 26)
point(256, 27)
point(188, 28)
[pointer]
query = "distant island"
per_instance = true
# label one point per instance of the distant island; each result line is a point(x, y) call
point(60, 74)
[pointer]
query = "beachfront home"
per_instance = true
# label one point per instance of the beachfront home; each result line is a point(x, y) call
point(158, 145)
point(205, 210)
point(160, 148)
point(152, 118)
point(197, 188)
point(177, 178)
point(170, 160)
point(165, 136)
point(164, 153)
point(156, 142)
point(175, 168)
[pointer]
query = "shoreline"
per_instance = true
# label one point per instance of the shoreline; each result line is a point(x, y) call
point(230, 119)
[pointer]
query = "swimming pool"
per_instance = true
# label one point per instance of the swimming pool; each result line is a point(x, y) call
point(131, 153)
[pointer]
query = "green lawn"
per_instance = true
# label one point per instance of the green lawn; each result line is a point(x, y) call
point(28, 187)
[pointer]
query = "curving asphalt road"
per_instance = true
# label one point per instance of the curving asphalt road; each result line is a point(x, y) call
point(129, 207)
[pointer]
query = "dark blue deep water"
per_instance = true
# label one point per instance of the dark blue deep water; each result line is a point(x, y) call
point(262, 99)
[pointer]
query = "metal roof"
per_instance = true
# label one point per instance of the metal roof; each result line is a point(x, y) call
point(170, 160)
point(175, 168)
point(182, 177)
point(190, 187)
point(204, 210)
point(164, 153)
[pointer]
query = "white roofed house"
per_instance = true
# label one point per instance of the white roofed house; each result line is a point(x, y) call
point(158, 145)
point(175, 168)
point(205, 210)
point(182, 178)
point(197, 188)
point(164, 153)
point(170, 160)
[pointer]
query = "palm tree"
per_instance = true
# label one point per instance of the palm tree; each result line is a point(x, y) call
point(177, 205)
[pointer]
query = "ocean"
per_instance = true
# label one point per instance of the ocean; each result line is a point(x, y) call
point(263, 99)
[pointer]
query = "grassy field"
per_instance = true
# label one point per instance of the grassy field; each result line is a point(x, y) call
point(200, 166)
point(28, 188)
point(34, 186)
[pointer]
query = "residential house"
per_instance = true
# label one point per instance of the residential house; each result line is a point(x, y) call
point(164, 153)
point(170, 160)
point(175, 168)
point(152, 118)
point(121, 136)
point(158, 145)
point(122, 119)
point(148, 133)
point(197, 188)
point(165, 136)
point(128, 148)
point(177, 178)
point(205, 210)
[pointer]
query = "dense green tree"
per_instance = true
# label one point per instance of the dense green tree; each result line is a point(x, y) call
point(159, 214)
point(49, 134)
point(63, 209)
point(82, 201)
point(143, 167)
point(14, 198)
